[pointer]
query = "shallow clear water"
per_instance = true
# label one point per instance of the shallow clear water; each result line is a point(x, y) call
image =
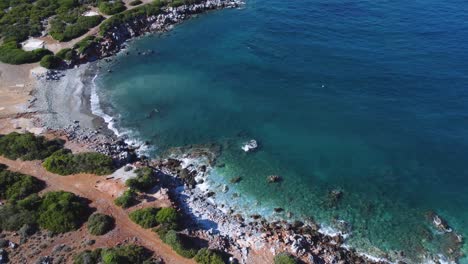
point(364, 96)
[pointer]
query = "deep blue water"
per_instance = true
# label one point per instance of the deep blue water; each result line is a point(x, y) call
point(369, 97)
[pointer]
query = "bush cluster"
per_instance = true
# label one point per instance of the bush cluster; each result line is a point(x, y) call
point(135, 2)
point(207, 256)
point(62, 31)
point(144, 180)
point(284, 258)
point(27, 146)
point(179, 244)
point(177, 3)
point(62, 212)
point(117, 255)
point(66, 54)
point(129, 15)
point(85, 44)
point(127, 199)
point(58, 212)
point(16, 186)
point(51, 62)
point(20, 19)
point(11, 53)
point(100, 224)
point(151, 217)
point(145, 217)
point(111, 7)
point(63, 162)
point(15, 216)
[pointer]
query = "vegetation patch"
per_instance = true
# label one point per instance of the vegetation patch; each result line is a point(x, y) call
point(179, 244)
point(11, 53)
point(27, 146)
point(66, 54)
point(83, 45)
point(100, 224)
point(130, 15)
point(145, 217)
point(111, 7)
point(15, 186)
point(284, 258)
point(51, 62)
point(177, 3)
point(62, 212)
point(117, 255)
point(136, 2)
point(63, 30)
point(127, 199)
point(207, 256)
point(15, 216)
point(63, 162)
point(144, 180)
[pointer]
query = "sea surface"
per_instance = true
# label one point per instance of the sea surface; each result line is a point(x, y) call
point(366, 97)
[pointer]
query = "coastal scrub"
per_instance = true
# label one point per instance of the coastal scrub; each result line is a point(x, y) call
point(100, 224)
point(28, 146)
point(64, 162)
point(284, 258)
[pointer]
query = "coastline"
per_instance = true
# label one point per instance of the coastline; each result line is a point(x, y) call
point(243, 236)
point(59, 111)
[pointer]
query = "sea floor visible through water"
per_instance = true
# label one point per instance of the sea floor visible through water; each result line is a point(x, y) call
point(365, 98)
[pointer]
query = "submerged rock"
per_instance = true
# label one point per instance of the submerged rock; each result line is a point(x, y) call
point(274, 178)
point(236, 179)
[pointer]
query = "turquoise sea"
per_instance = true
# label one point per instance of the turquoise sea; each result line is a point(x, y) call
point(368, 97)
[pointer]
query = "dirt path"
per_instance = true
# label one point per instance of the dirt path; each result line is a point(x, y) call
point(84, 185)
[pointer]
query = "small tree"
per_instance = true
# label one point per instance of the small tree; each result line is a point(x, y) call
point(100, 224)
point(50, 62)
point(127, 199)
point(145, 217)
point(207, 256)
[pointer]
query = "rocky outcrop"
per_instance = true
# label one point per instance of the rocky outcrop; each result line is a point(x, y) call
point(114, 39)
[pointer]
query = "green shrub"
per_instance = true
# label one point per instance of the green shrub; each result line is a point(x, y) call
point(11, 53)
point(65, 32)
point(207, 256)
point(85, 44)
point(13, 217)
point(178, 244)
point(88, 257)
point(66, 54)
point(152, 9)
point(63, 162)
point(111, 7)
point(27, 146)
point(144, 180)
point(62, 212)
point(167, 215)
point(50, 62)
point(16, 186)
point(100, 224)
point(145, 217)
point(127, 199)
point(284, 258)
point(136, 2)
point(128, 254)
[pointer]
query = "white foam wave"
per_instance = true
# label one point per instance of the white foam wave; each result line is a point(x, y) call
point(131, 138)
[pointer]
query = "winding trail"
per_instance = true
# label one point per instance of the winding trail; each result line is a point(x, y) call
point(84, 186)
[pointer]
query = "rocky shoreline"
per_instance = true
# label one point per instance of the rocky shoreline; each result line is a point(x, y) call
point(185, 170)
